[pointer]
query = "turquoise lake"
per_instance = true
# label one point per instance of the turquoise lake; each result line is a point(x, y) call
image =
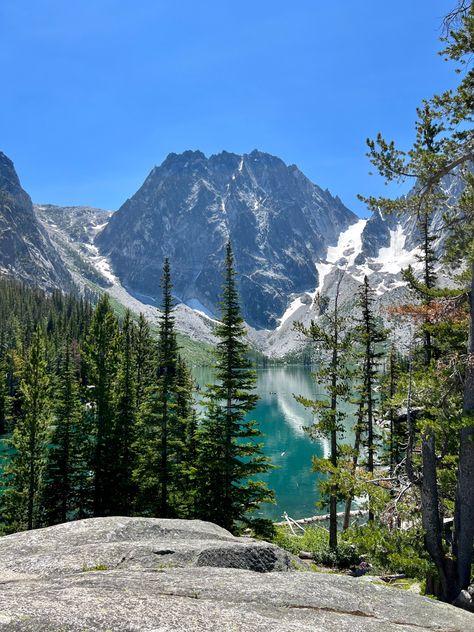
point(281, 419)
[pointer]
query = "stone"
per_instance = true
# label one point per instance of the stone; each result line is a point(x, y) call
point(45, 588)
point(135, 544)
point(464, 600)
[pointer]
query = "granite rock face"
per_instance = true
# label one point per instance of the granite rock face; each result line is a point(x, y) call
point(279, 224)
point(134, 543)
point(47, 586)
point(26, 252)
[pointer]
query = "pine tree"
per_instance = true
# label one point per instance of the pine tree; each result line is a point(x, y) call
point(25, 470)
point(100, 359)
point(63, 489)
point(184, 442)
point(369, 334)
point(144, 359)
point(157, 418)
point(228, 458)
point(443, 147)
point(3, 392)
point(390, 380)
point(332, 338)
point(125, 420)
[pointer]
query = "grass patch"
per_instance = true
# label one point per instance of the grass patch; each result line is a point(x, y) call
point(97, 567)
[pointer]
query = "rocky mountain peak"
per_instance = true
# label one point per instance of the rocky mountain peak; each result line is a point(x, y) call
point(278, 221)
point(9, 181)
point(26, 251)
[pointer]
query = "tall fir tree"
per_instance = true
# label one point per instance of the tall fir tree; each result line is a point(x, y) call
point(100, 359)
point(228, 457)
point(144, 359)
point(3, 391)
point(370, 335)
point(443, 147)
point(157, 418)
point(29, 442)
point(125, 421)
point(63, 494)
point(332, 337)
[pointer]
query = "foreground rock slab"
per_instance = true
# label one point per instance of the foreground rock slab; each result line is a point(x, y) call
point(40, 596)
point(135, 544)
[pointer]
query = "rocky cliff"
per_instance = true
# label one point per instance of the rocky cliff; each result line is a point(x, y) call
point(26, 252)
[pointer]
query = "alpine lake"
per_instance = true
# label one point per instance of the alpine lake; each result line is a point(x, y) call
point(281, 419)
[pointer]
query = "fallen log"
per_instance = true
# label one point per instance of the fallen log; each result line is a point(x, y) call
point(322, 518)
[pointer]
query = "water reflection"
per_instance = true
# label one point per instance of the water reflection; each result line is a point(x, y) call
point(281, 419)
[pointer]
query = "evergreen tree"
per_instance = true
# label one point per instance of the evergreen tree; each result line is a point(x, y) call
point(370, 335)
point(157, 420)
point(397, 431)
point(63, 497)
point(228, 458)
point(3, 392)
point(100, 359)
point(125, 419)
point(443, 146)
point(25, 470)
point(332, 338)
point(144, 352)
point(184, 442)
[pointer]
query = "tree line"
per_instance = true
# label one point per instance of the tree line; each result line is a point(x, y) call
point(101, 415)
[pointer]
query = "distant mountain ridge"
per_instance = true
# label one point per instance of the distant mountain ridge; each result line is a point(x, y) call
point(26, 252)
point(279, 224)
point(291, 240)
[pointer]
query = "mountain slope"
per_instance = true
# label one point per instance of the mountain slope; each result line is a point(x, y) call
point(279, 224)
point(26, 252)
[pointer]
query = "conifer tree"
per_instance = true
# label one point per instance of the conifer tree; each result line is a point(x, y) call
point(144, 351)
point(443, 148)
point(184, 442)
point(332, 338)
point(369, 334)
point(3, 392)
point(389, 389)
point(25, 470)
point(100, 358)
point(228, 458)
point(63, 497)
point(125, 420)
point(157, 419)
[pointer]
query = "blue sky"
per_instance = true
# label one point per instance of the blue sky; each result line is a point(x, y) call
point(94, 93)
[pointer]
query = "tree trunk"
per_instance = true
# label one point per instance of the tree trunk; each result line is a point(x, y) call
point(430, 511)
point(355, 459)
point(464, 508)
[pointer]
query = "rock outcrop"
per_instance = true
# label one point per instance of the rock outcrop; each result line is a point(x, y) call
point(153, 575)
point(26, 252)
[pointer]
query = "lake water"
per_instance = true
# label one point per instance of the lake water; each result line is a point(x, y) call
point(281, 419)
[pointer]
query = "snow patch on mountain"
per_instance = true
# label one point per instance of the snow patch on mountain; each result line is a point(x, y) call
point(343, 255)
point(395, 257)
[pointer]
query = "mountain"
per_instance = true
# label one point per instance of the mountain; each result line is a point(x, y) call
point(291, 240)
point(279, 224)
point(26, 252)
point(72, 230)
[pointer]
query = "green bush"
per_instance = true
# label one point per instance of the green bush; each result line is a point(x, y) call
point(390, 552)
point(399, 551)
point(315, 540)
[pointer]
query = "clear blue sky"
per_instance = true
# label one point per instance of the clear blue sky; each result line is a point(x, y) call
point(94, 93)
